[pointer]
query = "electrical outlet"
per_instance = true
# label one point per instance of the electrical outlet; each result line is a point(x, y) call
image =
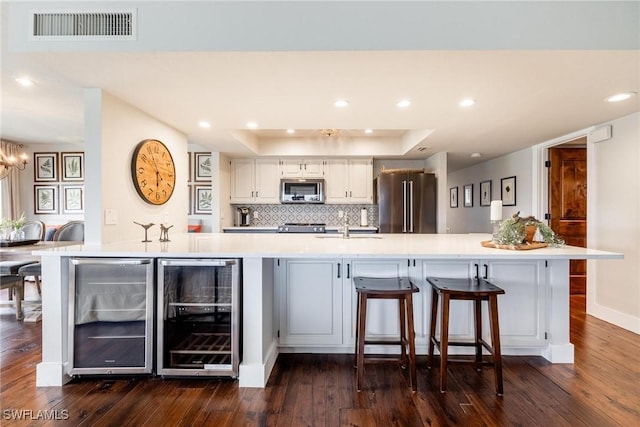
point(256, 215)
point(340, 214)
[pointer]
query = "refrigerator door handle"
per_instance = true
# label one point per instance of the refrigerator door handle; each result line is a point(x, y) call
point(404, 206)
point(411, 206)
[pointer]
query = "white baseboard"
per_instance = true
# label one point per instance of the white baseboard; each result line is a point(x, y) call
point(257, 374)
point(623, 320)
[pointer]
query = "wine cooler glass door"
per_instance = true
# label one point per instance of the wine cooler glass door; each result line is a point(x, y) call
point(110, 316)
point(198, 317)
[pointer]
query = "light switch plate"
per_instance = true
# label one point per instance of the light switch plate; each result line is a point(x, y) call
point(110, 217)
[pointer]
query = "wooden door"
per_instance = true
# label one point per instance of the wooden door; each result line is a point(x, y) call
point(568, 205)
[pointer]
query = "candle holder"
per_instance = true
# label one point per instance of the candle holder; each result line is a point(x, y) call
point(164, 232)
point(146, 228)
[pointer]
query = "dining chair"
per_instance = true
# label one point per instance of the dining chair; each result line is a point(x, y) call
point(34, 230)
point(73, 231)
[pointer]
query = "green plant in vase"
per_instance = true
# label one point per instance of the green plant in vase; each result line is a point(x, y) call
point(519, 231)
point(17, 233)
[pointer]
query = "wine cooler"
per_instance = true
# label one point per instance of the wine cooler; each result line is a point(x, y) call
point(198, 317)
point(110, 316)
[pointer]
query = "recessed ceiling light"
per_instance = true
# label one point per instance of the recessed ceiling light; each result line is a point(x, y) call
point(623, 96)
point(252, 125)
point(341, 103)
point(476, 155)
point(467, 102)
point(368, 131)
point(25, 81)
point(204, 124)
point(290, 131)
point(404, 103)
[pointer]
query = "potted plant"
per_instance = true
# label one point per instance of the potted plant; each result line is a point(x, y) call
point(521, 231)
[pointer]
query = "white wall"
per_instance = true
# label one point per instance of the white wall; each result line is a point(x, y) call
point(476, 219)
point(113, 129)
point(438, 165)
point(613, 286)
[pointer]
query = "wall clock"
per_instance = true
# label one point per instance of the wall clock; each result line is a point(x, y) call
point(153, 171)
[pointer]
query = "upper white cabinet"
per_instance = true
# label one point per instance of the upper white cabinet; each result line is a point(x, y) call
point(255, 181)
point(302, 168)
point(349, 181)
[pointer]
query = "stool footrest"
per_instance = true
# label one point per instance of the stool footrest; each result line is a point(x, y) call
point(384, 342)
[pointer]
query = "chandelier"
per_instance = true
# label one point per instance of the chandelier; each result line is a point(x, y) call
point(329, 132)
point(8, 163)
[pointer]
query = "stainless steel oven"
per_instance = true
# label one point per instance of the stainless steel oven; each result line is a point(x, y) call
point(302, 191)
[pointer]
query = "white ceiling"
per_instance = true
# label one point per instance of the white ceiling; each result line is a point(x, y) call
point(524, 97)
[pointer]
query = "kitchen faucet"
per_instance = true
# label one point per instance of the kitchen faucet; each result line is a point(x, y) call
point(345, 228)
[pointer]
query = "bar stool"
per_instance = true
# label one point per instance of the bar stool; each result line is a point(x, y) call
point(401, 289)
point(476, 290)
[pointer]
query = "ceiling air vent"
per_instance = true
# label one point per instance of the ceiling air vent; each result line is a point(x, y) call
point(87, 25)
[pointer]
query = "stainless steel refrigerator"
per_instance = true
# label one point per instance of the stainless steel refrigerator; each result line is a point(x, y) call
point(406, 202)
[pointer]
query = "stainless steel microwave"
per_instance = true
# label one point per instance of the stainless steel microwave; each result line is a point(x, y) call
point(302, 191)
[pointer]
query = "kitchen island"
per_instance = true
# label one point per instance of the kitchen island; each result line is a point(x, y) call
point(297, 293)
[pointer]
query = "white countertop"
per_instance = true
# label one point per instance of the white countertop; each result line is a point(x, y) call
point(274, 228)
point(267, 245)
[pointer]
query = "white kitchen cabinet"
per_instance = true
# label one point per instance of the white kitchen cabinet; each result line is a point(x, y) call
point(523, 304)
point(317, 297)
point(254, 181)
point(309, 299)
point(302, 168)
point(524, 282)
point(382, 315)
point(349, 181)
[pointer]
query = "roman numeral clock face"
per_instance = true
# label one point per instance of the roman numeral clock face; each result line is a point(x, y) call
point(153, 171)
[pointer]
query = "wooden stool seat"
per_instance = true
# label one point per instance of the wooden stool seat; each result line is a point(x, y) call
point(476, 290)
point(401, 289)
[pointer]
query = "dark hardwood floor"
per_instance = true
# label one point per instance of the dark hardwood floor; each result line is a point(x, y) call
point(602, 388)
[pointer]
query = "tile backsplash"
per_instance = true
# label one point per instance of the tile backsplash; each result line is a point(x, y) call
point(273, 215)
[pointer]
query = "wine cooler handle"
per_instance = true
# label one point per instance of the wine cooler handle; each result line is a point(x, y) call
point(339, 270)
point(199, 262)
point(111, 261)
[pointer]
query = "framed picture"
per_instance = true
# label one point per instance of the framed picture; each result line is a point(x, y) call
point(485, 193)
point(202, 168)
point(72, 166)
point(72, 198)
point(468, 196)
point(453, 197)
point(190, 178)
point(202, 199)
point(508, 191)
point(45, 167)
point(45, 199)
point(190, 191)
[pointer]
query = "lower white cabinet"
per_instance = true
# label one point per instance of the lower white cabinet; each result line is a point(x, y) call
point(309, 296)
point(316, 300)
point(521, 310)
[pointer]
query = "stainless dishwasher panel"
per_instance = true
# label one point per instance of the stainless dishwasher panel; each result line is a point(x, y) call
point(198, 317)
point(111, 303)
